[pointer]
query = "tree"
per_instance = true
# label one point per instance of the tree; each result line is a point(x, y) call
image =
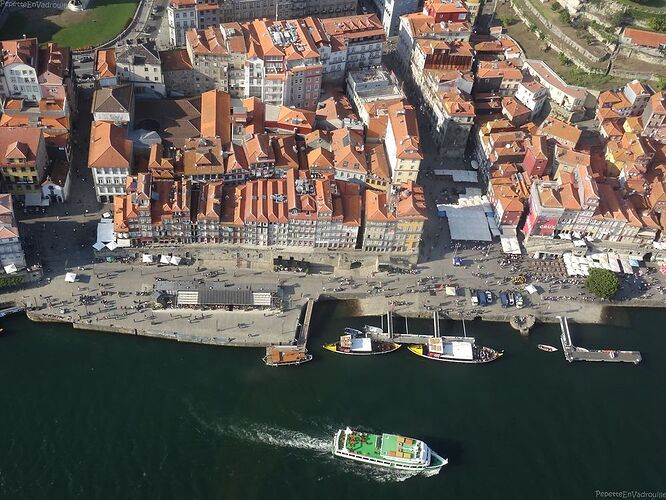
point(565, 18)
point(602, 282)
point(565, 60)
point(657, 23)
point(507, 20)
point(661, 82)
point(6, 281)
point(616, 18)
point(555, 6)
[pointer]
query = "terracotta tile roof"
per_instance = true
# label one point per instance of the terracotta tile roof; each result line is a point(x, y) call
point(658, 102)
point(571, 157)
point(546, 74)
point(210, 207)
point(402, 119)
point(344, 29)
point(611, 129)
point(532, 85)
point(560, 131)
point(335, 106)
point(290, 39)
point(54, 64)
point(377, 161)
point(424, 25)
point(498, 69)
point(207, 41)
point(19, 142)
point(290, 118)
point(645, 38)
point(106, 63)
point(456, 104)
point(320, 158)
point(175, 60)
point(411, 202)
point(216, 115)
point(234, 37)
point(109, 146)
point(286, 152)
point(203, 156)
point(633, 124)
point(513, 107)
point(23, 50)
point(445, 7)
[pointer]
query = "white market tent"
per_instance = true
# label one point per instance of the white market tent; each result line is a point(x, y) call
point(146, 258)
point(98, 246)
point(175, 260)
point(459, 175)
point(10, 268)
point(70, 277)
point(164, 259)
point(468, 223)
point(105, 230)
point(111, 245)
point(531, 289)
point(510, 245)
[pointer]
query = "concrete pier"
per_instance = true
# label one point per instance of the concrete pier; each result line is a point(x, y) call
point(302, 337)
point(573, 353)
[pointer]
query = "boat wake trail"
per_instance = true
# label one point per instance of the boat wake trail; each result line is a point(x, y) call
point(277, 436)
point(320, 444)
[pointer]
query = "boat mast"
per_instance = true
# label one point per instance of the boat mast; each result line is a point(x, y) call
point(463, 322)
point(435, 321)
point(381, 318)
point(389, 324)
point(406, 326)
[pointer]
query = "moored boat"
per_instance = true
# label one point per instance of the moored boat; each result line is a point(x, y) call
point(547, 348)
point(286, 355)
point(387, 450)
point(373, 329)
point(357, 343)
point(455, 350)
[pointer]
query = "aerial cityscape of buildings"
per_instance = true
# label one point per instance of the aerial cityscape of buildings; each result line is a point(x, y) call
point(294, 131)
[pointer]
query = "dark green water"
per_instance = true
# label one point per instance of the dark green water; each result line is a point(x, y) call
point(85, 415)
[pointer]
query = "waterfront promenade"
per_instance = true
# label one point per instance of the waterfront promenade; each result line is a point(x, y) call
point(132, 313)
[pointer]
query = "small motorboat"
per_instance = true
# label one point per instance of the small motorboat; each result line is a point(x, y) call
point(547, 348)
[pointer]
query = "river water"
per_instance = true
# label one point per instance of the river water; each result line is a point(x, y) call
point(92, 415)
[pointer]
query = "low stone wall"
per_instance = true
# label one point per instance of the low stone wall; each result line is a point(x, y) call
point(642, 55)
point(631, 75)
point(97, 327)
point(559, 34)
point(573, 56)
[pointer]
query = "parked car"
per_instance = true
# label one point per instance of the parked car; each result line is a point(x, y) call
point(489, 296)
point(512, 297)
point(483, 299)
point(504, 299)
point(519, 300)
point(475, 298)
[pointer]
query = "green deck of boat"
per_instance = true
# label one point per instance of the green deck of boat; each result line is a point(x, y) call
point(376, 446)
point(370, 447)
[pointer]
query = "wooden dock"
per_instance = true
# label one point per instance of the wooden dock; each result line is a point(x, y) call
point(573, 353)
